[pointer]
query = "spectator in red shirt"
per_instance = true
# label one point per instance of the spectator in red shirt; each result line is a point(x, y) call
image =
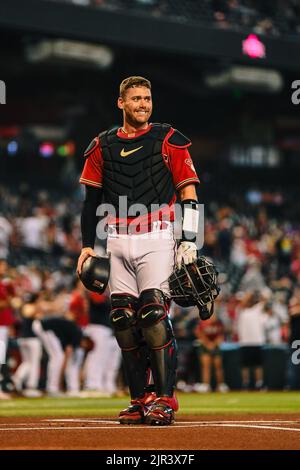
point(211, 335)
point(6, 314)
point(79, 307)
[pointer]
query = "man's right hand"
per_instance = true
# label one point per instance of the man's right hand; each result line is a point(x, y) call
point(186, 253)
point(85, 254)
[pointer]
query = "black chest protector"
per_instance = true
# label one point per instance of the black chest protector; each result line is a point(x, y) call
point(135, 168)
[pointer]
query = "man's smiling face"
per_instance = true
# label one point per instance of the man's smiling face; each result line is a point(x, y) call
point(136, 105)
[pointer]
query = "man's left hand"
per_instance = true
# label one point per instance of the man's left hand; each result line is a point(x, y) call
point(85, 254)
point(187, 253)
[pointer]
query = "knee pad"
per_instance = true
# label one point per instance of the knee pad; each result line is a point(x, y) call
point(123, 320)
point(123, 312)
point(152, 308)
point(153, 319)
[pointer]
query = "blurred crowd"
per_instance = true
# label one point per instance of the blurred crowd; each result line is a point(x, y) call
point(262, 17)
point(46, 312)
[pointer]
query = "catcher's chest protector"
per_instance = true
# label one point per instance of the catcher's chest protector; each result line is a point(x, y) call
point(135, 168)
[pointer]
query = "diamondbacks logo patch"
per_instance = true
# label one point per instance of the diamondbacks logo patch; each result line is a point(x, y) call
point(189, 162)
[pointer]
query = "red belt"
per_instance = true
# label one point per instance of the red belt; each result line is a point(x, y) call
point(139, 229)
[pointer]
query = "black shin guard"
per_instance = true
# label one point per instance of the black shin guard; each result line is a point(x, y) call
point(164, 365)
point(158, 334)
point(136, 364)
point(136, 358)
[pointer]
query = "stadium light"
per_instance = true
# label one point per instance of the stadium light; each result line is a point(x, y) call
point(66, 150)
point(246, 78)
point(75, 52)
point(47, 149)
point(253, 47)
point(12, 148)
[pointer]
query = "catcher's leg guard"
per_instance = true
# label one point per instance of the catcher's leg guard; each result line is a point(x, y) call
point(158, 333)
point(134, 351)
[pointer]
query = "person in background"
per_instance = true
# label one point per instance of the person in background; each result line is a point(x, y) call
point(251, 333)
point(79, 305)
point(211, 335)
point(6, 316)
point(293, 371)
point(61, 339)
point(28, 372)
point(103, 363)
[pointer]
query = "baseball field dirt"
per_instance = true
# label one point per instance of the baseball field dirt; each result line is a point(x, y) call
point(238, 421)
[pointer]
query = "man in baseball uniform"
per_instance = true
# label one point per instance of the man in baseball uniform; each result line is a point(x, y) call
point(145, 164)
point(62, 340)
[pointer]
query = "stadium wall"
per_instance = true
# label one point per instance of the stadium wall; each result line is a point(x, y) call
point(135, 30)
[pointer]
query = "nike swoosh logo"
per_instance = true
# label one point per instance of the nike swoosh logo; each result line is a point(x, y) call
point(125, 154)
point(144, 315)
point(116, 319)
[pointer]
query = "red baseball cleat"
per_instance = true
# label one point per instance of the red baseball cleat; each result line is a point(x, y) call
point(173, 402)
point(136, 411)
point(161, 412)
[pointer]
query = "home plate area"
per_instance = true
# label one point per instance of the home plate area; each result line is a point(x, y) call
point(214, 432)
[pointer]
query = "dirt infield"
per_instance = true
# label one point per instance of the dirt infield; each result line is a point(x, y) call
point(238, 432)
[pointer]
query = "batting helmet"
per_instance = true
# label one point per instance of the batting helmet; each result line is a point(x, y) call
point(196, 284)
point(95, 273)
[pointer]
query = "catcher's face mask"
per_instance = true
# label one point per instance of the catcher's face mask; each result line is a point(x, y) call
point(196, 284)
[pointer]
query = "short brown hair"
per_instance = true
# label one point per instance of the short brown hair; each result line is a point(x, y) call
point(132, 82)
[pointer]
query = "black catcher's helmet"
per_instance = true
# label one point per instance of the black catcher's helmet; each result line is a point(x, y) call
point(196, 284)
point(95, 273)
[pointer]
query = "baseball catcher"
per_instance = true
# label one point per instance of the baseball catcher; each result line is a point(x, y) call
point(147, 165)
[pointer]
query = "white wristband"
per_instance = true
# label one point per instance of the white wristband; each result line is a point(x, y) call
point(190, 220)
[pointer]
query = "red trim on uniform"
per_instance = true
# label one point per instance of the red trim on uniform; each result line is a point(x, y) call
point(92, 173)
point(129, 349)
point(126, 135)
point(96, 139)
point(186, 182)
point(138, 228)
point(180, 146)
point(157, 321)
point(148, 376)
point(163, 347)
point(90, 183)
point(170, 133)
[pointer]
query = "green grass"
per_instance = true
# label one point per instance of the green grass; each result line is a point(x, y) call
point(213, 403)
